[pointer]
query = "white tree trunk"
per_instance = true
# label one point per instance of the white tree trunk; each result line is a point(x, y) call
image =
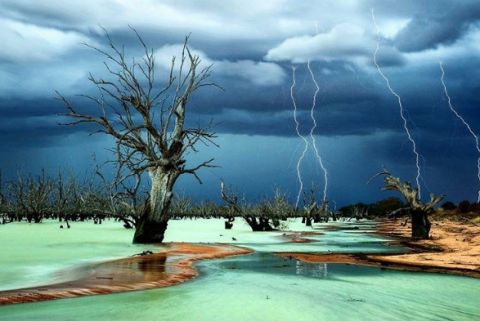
point(154, 221)
point(161, 194)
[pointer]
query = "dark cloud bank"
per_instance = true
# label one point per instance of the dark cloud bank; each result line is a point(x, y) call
point(359, 128)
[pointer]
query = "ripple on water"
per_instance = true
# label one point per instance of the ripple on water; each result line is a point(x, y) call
point(260, 286)
point(264, 287)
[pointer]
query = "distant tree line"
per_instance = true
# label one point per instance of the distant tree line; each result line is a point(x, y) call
point(381, 208)
point(67, 198)
point(463, 207)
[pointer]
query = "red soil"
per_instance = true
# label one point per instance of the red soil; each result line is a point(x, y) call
point(173, 266)
point(454, 248)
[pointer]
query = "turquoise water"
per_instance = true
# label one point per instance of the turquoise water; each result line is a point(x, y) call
point(265, 287)
point(37, 254)
point(345, 241)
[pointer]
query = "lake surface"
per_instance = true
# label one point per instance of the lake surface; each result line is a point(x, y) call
point(259, 286)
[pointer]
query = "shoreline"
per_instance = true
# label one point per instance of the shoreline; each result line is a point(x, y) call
point(454, 248)
point(173, 266)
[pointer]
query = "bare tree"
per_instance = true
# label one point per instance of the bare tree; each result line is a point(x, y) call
point(64, 193)
point(313, 211)
point(419, 210)
point(147, 121)
point(181, 206)
point(123, 199)
point(310, 208)
point(279, 208)
point(258, 223)
point(4, 203)
point(360, 212)
point(33, 196)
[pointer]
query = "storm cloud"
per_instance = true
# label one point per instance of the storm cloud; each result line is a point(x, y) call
point(252, 47)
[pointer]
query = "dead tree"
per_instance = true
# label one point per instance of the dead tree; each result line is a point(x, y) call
point(32, 196)
point(315, 212)
point(311, 213)
point(326, 213)
point(4, 204)
point(279, 208)
point(124, 201)
point(359, 212)
point(419, 211)
point(181, 206)
point(310, 208)
point(257, 225)
point(63, 198)
point(146, 118)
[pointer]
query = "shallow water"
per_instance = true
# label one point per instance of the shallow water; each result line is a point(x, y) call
point(38, 254)
point(264, 287)
point(259, 286)
point(345, 241)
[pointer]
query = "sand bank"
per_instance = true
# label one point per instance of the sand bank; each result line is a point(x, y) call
point(454, 248)
point(172, 266)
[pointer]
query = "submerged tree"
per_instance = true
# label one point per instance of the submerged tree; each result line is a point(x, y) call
point(258, 223)
point(147, 121)
point(419, 211)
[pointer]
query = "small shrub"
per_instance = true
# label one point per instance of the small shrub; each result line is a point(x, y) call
point(449, 206)
point(464, 206)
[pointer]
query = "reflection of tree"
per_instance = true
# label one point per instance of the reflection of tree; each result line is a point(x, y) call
point(313, 270)
point(153, 263)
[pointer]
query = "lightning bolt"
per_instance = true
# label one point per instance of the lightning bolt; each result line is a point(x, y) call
point(306, 144)
point(399, 99)
point(467, 125)
point(312, 136)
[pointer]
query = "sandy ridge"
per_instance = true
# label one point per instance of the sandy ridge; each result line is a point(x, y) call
point(173, 266)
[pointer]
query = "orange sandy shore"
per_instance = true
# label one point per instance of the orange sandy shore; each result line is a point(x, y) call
point(454, 248)
point(173, 266)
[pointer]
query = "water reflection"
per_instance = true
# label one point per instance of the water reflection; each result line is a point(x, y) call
point(272, 264)
point(312, 270)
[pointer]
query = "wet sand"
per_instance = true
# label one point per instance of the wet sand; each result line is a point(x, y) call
point(172, 266)
point(454, 248)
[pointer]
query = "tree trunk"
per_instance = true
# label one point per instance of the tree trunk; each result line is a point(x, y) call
point(420, 225)
point(265, 224)
point(154, 221)
point(262, 225)
point(229, 223)
point(308, 221)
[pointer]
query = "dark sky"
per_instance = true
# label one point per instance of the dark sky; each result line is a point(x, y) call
point(252, 46)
